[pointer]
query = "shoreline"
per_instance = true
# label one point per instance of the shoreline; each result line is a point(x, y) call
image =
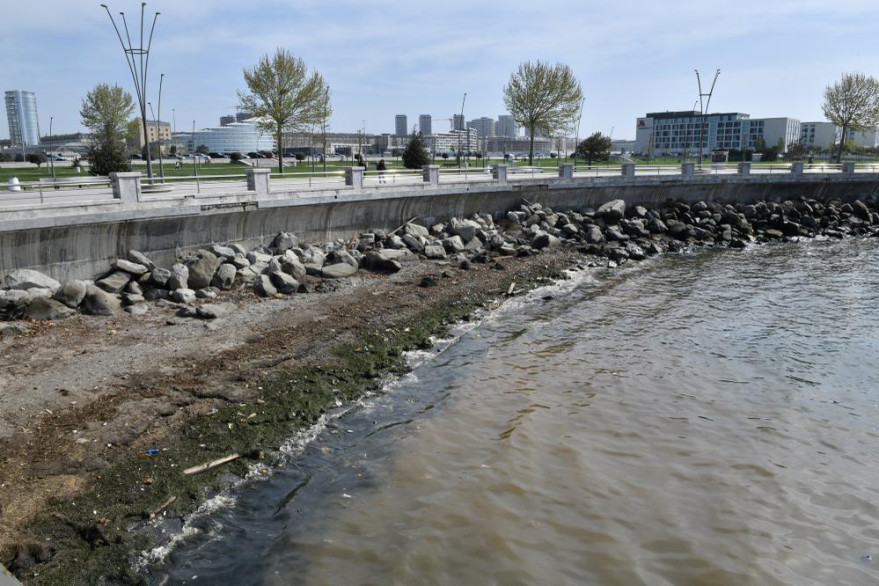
point(80, 479)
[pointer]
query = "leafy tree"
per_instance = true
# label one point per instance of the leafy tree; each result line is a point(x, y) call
point(235, 157)
point(415, 155)
point(283, 96)
point(154, 152)
point(19, 158)
point(543, 98)
point(852, 103)
point(36, 158)
point(445, 156)
point(202, 149)
point(595, 147)
point(796, 151)
point(299, 157)
point(105, 112)
point(173, 149)
point(4, 158)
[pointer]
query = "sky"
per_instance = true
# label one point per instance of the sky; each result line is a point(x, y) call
point(388, 57)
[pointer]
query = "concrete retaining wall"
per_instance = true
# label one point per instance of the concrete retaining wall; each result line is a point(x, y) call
point(67, 250)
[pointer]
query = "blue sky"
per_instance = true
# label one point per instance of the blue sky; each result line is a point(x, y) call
point(387, 57)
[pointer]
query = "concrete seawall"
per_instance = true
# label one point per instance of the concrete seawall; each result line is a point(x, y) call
point(80, 242)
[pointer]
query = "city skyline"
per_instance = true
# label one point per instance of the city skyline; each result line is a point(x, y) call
point(629, 58)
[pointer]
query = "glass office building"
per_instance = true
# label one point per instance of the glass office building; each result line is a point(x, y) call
point(21, 112)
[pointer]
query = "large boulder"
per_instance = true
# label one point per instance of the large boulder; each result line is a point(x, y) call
point(593, 234)
point(224, 278)
point(44, 309)
point(179, 278)
point(338, 271)
point(115, 282)
point(435, 252)
point(466, 229)
point(71, 293)
point(285, 241)
point(130, 267)
point(389, 260)
point(284, 283)
point(141, 259)
point(160, 277)
point(28, 279)
point(416, 230)
point(262, 284)
point(183, 295)
point(613, 211)
point(224, 252)
point(201, 269)
point(544, 240)
point(14, 302)
point(98, 302)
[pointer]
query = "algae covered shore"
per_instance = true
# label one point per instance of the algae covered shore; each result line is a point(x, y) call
point(128, 404)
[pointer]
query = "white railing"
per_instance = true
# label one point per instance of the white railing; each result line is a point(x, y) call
point(49, 191)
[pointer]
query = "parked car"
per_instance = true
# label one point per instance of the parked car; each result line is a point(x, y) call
point(254, 155)
point(216, 155)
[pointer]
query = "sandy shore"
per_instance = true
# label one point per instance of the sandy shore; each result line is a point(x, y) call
point(84, 399)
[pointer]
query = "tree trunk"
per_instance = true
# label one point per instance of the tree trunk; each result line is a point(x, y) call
point(841, 144)
point(280, 153)
point(531, 150)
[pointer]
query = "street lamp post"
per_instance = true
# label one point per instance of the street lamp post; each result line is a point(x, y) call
point(138, 60)
point(464, 101)
point(51, 154)
point(702, 110)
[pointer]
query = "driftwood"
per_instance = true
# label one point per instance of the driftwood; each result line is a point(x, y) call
point(511, 288)
point(202, 467)
point(171, 500)
point(403, 226)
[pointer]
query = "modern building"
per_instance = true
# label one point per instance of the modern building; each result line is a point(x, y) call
point(425, 124)
point(506, 126)
point(241, 137)
point(819, 135)
point(458, 122)
point(680, 133)
point(237, 117)
point(452, 142)
point(868, 139)
point(484, 127)
point(24, 123)
point(401, 125)
point(517, 145)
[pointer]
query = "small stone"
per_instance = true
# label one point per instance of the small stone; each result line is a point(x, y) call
point(183, 295)
point(115, 282)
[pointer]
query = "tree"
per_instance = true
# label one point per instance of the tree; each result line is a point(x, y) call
point(105, 112)
point(796, 151)
point(235, 157)
point(852, 103)
point(415, 155)
point(36, 158)
point(283, 96)
point(543, 98)
point(173, 149)
point(596, 146)
point(202, 149)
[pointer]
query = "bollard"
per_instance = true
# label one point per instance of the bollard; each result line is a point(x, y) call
point(744, 168)
point(258, 180)
point(688, 169)
point(354, 177)
point(566, 171)
point(430, 173)
point(499, 173)
point(126, 186)
point(628, 169)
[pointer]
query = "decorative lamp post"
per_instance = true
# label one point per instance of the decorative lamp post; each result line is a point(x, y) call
point(703, 110)
point(138, 59)
point(51, 154)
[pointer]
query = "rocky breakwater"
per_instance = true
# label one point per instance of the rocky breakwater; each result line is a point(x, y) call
point(287, 266)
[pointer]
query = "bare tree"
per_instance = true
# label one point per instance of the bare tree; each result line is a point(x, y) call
point(283, 96)
point(543, 98)
point(852, 103)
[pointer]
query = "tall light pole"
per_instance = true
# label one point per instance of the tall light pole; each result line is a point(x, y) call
point(138, 60)
point(464, 101)
point(577, 132)
point(51, 154)
point(703, 109)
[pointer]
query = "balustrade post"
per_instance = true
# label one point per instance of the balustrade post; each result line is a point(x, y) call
point(258, 180)
point(430, 174)
point(126, 186)
point(354, 177)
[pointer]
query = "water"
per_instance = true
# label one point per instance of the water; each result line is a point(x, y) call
point(699, 419)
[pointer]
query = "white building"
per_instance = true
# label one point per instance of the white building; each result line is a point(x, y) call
point(452, 142)
point(819, 135)
point(868, 139)
point(242, 137)
point(774, 131)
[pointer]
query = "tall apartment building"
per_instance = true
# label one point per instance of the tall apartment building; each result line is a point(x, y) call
point(819, 135)
point(401, 125)
point(425, 124)
point(679, 133)
point(484, 126)
point(457, 122)
point(21, 112)
point(506, 126)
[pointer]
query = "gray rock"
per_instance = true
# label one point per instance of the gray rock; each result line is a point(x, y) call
point(220, 251)
point(466, 229)
point(238, 248)
point(388, 260)
point(262, 284)
point(133, 268)
point(313, 256)
point(593, 234)
point(213, 311)
point(183, 295)
point(131, 299)
point(115, 282)
point(338, 271)
point(42, 309)
point(435, 252)
point(240, 261)
point(98, 302)
point(206, 293)
point(201, 269)
point(473, 245)
point(453, 244)
point(285, 241)
point(395, 242)
point(294, 268)
point(155, 294)
point(284, 283)
point(160, 277)
point(179, 278)
point(28, 279)
point(413, 243)
point(613, 211)
point(134, 287)
point(137, 309)
point(71, 293)
point(313, 269)
point(545, 240)
point(14, 302)
point(224, 278)
point(416, 230)
point(257, 257)
point(141, 259)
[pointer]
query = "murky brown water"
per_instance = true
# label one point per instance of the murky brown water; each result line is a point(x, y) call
point(706, 419)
